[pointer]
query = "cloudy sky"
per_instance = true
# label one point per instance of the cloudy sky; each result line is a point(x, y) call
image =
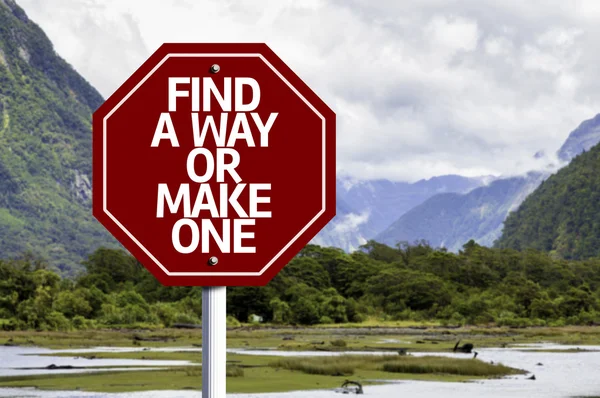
point(420, 88)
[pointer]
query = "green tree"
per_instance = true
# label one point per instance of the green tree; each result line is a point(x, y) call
point(334, 306)
point(71, 304)
point(308, 271)
point(282, 313)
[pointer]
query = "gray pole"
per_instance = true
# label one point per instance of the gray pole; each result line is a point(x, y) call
point(214, 341)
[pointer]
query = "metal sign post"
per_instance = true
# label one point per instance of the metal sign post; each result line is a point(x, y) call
point(214, 341)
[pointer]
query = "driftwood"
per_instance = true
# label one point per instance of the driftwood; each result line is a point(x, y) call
point(56, 367)
point(466, 348)
point(350, 386)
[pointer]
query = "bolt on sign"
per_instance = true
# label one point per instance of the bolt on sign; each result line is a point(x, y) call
point(214, 164)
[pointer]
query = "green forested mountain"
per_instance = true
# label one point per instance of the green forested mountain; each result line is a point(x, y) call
point(45, 148)
point(563, 215)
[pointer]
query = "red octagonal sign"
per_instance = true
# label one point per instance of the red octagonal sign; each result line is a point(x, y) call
point(214, 164)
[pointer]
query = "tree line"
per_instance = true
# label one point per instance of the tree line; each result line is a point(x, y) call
point(321, 285)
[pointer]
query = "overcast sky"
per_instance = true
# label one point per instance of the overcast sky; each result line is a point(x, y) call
point(420, 88)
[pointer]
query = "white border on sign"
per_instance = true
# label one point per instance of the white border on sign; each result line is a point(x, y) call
point(294, 239)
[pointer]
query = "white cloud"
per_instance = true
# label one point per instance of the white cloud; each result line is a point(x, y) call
point(421, 88)
point(349, 223)
point(452, 34)
point(499, 45)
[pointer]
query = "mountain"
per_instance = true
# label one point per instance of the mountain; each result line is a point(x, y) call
point(365, 208)
point(385, 201)
point(562, 216)
point(581, 139)
point(45, 149)
point(345, 230)
point(450, 220)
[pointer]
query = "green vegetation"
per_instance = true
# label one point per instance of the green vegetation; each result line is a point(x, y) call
point(249, 373)
point(45, 149)
point(234, 371)
point(348, 365)
point(444, 365)
point(561, 216)
point(402, 286)
point(435, 339)
point(329, 366)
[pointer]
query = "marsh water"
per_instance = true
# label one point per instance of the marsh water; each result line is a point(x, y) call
point(570, 373)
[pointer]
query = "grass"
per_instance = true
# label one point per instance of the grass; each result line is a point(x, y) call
point(348, 365)
point(328, 366)
point(444, 365)
point(376, 322)
point(234, 371)
point(357, 339)
point(254, 380)
point(96, 338)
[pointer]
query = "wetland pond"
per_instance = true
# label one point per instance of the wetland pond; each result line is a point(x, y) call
point(561, 371)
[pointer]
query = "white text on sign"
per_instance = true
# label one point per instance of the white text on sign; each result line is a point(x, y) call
point(195, 201)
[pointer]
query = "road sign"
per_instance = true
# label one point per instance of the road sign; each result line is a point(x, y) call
point(214, 164)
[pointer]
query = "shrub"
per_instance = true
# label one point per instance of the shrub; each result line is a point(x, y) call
point(232, 322)
point(9, 325)
point(234, 371)
point(338, 343)
point(186, 318)
point(82, 323)
point(457, 319)
point(78, 322)
point(165, 312)
point(56, 321)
